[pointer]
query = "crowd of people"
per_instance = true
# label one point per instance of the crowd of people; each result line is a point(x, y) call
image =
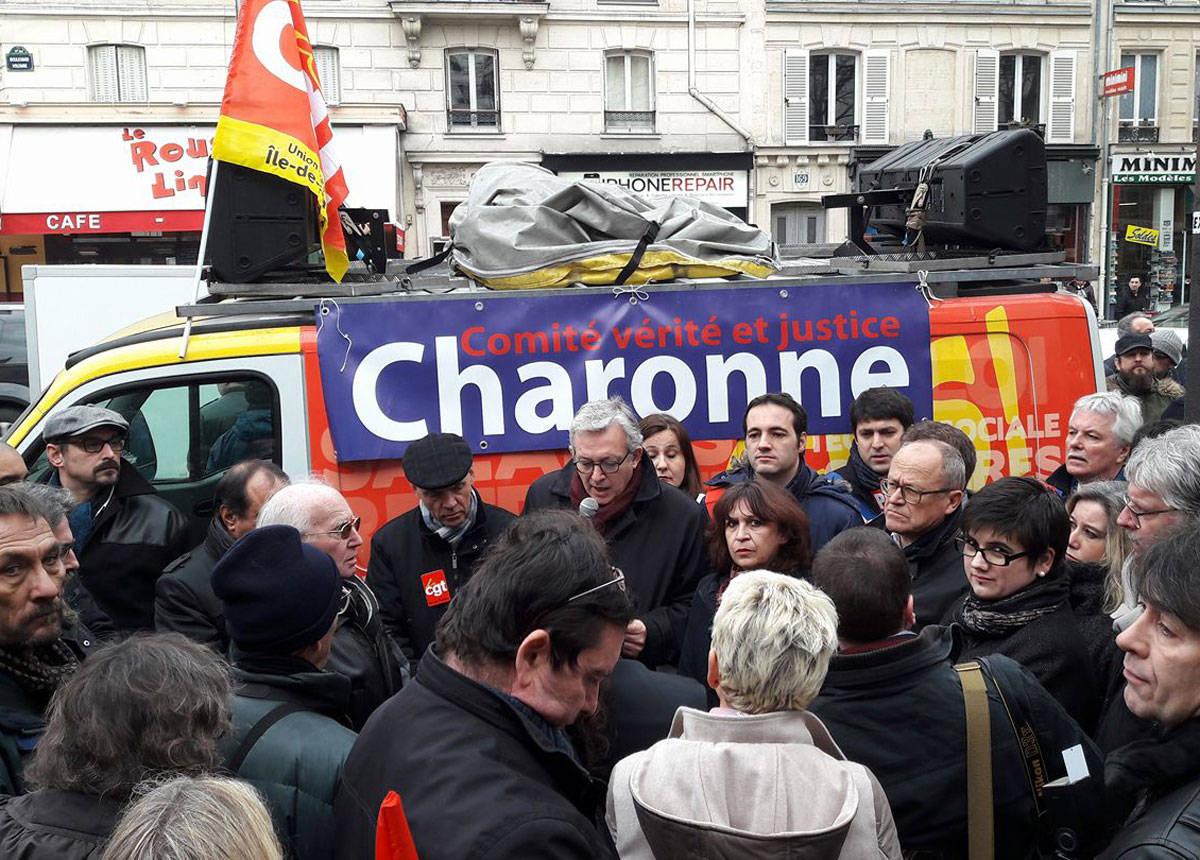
point(873, 662)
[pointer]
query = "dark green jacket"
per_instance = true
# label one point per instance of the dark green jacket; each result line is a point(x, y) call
point(297, 762)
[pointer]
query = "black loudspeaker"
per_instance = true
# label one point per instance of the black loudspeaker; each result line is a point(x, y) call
point(259, 223)
point(987, 191)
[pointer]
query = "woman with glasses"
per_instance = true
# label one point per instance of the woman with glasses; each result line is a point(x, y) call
point(1013, 540)
point(669, 447)
point(756, 526)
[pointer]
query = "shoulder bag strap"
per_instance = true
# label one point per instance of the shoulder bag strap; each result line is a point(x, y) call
point(259, 729)
point(980, 824)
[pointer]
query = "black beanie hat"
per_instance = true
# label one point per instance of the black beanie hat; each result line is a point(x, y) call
point(279, 593)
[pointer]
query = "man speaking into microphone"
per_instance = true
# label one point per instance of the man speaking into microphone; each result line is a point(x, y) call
point(655, 532)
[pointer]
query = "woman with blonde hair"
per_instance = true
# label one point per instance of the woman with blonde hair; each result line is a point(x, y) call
point(196, 818)
point(1097, 548)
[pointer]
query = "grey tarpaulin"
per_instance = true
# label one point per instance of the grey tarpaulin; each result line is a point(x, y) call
point(521, 227)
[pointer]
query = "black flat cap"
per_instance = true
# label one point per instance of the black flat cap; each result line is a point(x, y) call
point(1131, 341)
point(440, 460)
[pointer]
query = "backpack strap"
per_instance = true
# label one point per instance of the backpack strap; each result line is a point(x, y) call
point(270, 718)
point(980, 813)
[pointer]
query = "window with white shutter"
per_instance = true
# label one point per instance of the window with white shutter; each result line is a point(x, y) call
point(987, 86)
point(795, 96)
point(472, 89)
point(328, 73)
point(118, 73)
point(1061, 125)
point(877, 85)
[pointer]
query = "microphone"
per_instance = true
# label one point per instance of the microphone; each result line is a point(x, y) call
point(588, 508)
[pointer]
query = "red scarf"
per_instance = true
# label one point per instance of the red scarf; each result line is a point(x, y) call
point(613, 509)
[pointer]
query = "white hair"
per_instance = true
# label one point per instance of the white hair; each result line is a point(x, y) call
point(1169, 466)
point(773, 636)
point(195, 818)
point(596, 415)
point(299, 505)
point(1126, 412)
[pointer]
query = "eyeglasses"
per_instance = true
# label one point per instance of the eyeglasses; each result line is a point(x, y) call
point(618, 580)
point(910, 494)
point(93, 445)
point(608, 467)
point(994, 557)
point(1137, 515)
point(344, 530)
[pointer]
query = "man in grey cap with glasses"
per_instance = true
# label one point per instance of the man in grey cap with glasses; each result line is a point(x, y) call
point(124, 533)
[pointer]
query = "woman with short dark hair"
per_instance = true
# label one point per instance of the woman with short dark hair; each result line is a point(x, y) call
point(1013, 539)
point(150, 706)
point(756, 526)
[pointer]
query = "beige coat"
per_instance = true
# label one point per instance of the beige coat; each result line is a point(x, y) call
point(728, 785)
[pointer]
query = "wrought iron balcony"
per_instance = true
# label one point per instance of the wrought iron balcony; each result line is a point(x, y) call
point(833, 133)
point(629, 120)
point(462, 120)
point(1138, 131)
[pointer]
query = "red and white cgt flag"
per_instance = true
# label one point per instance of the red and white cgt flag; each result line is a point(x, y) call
point(274, 118)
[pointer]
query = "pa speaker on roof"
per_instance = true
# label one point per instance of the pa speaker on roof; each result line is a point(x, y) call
point(259, 223)
point(986, 191)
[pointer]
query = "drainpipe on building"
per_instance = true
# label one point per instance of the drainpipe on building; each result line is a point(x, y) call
point(715, 109)
point(1105, 18)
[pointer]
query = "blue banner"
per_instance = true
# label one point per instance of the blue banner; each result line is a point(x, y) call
point(507, 371)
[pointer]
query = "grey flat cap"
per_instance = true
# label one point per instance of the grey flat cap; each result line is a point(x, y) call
point(75, 420)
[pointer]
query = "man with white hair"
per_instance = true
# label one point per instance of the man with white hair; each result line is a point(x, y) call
point(654, 531)
point(763, 757)
point(362, 650)
point(1099, 438)
point(1164, 486)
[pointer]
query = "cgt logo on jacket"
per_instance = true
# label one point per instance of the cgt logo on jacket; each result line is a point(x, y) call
point(437, 590)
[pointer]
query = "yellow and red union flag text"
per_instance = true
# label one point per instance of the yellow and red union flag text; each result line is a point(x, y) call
point(274, 118)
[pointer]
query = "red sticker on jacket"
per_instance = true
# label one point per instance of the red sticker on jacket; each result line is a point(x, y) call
point(437, 590)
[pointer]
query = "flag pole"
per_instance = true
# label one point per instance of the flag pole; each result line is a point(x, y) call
point(209, 191)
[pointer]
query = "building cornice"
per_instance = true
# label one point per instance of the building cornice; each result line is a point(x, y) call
point(89, 113)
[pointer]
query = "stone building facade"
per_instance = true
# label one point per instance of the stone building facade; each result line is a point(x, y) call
point(761, 106)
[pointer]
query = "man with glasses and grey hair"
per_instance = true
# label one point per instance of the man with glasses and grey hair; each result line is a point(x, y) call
point(1164, 489)
point(654, 531)
point(1099, 438)
point(125, 535)
point(922, 508)
point(362, 650)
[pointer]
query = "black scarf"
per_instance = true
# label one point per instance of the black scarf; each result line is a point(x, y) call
point(1139, 773)
point(1087, 586)
point(39, 670)
point(997, 618)
point(864, 479)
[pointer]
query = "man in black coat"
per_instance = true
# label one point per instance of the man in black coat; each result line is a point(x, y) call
point(40, 643)
point(184, 601)
point(475, 746)
point(362, 650)
point(1133, 297)
point(424, 557)
point(924, 488)
point(878, 419)
point(124, 533)
point(776, 428)
point(1154, 783)
point(893, 701)
point(654, 531)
